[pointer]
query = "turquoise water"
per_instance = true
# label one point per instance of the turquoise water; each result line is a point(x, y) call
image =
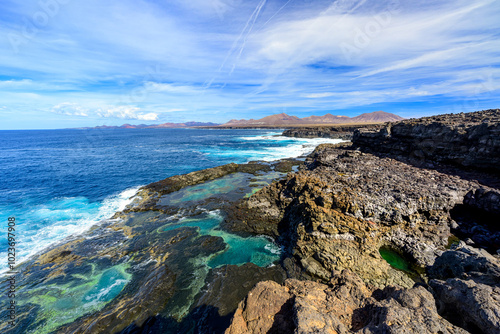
point(237, 184)
point(202, 191)
point(61, 304)
point(258, 250)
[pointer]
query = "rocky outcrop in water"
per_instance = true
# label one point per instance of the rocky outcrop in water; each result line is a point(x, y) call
point(344, 132)
point(469, 140)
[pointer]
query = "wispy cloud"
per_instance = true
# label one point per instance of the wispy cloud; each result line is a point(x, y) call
point(157, 87)
point(219, 59)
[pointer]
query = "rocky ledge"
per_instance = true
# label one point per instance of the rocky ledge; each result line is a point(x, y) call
point(467, 139)
point(344, 132)
point(372, 239)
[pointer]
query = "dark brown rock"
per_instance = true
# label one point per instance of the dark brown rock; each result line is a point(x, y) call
point(343, 306)
point(469, 140)
point(344, 205)
point(466, 284)
point(344, 132)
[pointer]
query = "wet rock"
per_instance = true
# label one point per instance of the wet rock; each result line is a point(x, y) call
point(149, 197)
point(226, 286)
point(286, 165)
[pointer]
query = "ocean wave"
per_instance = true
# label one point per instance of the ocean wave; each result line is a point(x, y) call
point(283, 147)
point(46, 224)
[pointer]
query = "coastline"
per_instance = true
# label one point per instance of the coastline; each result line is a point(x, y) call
point(367, 224)
point(68, 260)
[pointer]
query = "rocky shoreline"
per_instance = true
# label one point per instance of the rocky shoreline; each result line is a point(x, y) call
point(372, 234)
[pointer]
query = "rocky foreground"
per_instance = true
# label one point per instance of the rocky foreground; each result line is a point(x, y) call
point(397, 232)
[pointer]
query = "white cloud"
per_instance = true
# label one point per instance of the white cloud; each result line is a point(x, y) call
point(148, 117)
point(121, 112)
point(70, 109)
point(157, 87)
point(386, 38)
point(15, 83)
point(125, 112)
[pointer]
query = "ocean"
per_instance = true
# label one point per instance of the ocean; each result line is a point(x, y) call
point(58, 183)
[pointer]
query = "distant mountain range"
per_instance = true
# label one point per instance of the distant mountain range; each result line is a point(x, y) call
point(277, 120)
point(287, 120)
point(155, 126)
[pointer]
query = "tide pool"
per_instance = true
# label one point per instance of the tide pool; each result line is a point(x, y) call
point(61, 304)
point(258, 250)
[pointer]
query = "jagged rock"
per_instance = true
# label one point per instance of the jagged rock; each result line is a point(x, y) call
point(344, 132)
point(484, 199)
point(228, 285)
point(468, 304)
point(344, 205)
point(343, 306)
point(266, 309)
point(467, 140)
point(466, 283)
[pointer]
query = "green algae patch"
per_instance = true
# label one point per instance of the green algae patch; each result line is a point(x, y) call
point(399, 262)
point(452, 241)
point(394, 259)
point(62, 304)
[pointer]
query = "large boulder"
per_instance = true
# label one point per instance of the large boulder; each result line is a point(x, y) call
point(466, 284)
point(344, 305)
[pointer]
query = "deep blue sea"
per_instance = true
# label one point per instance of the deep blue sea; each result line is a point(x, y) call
point(58, 183)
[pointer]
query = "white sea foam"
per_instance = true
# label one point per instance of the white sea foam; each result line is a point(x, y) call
point(273, 249)
point(61, 218)
point(295, 147)
point(94, 299)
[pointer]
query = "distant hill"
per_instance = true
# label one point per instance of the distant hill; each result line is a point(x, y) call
point(287, 120)
point(155, 126)
point(376, 117)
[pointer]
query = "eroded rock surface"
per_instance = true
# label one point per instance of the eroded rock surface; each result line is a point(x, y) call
point(344, 305)
point(338, 211)
point(466, 283)
point(467, 140)
point(344, 132)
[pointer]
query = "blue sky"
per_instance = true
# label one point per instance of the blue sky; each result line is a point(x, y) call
point(70, 63)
